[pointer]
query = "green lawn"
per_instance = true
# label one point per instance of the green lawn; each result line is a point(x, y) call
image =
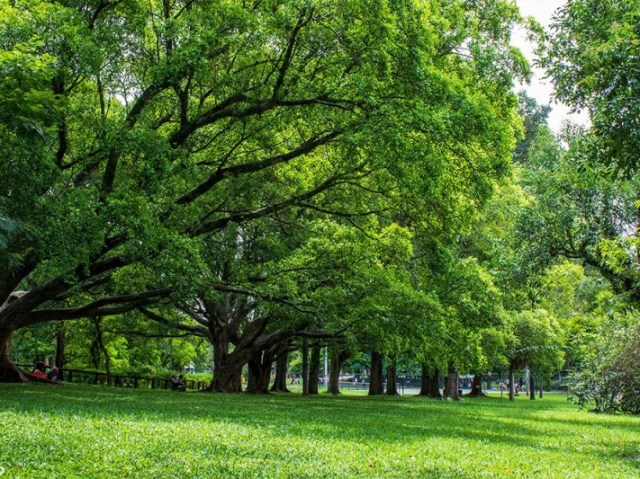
point(86, 432)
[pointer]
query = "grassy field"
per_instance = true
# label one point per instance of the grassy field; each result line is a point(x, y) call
point(87, 432)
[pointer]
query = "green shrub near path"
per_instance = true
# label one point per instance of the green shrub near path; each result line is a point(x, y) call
point(91, 432)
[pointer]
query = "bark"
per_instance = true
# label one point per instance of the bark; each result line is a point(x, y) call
point(101, 348)
point(280, 382)
point(476, 386)
point(314, 369)
point(541, 389)
point(228, 379)
point(452, 383)
point(259, 374)
point(532, 387)
point(337, 360)
point(430, 385)
point(512, 385)
point(375, 378)
point(392, 387)
point(60, 345)
point(305, 367)
point(227, 368)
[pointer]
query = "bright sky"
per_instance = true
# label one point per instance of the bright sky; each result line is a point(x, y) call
point(540, 88)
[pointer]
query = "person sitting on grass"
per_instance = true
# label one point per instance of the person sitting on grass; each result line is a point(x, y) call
point(178, 383)
point(53, 375)
point(38, 371)
point(182, 385)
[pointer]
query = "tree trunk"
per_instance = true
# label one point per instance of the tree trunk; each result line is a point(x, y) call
point(541, 388)
point(476, 386)
point(512, 386)
point(430, 384)
point(227, 368)
point(532, 387)
point(452, 383)
point(101, 348)
point(314, 369)
point(60, 344)
point(392, 387)
point(337, 359)
point(9, 372)
point(334, 374)
point(280, 382)
point(228, 378)
point(305, 367)
point(375, 377)
point(259, 374)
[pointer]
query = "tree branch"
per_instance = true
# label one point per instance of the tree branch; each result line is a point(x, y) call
point(306, 147)
point(99, 307)
point(196, 330)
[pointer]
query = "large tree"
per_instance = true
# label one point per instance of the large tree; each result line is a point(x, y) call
point(592, 55)
point(133, 130)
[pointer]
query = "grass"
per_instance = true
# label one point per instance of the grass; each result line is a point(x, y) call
point(89, 432)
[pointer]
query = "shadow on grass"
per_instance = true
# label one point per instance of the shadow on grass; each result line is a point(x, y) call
point(361, 419)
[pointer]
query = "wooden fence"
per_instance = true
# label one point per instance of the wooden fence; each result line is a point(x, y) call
point(121, 380)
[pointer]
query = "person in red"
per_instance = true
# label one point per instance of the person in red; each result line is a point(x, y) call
point(38, 371)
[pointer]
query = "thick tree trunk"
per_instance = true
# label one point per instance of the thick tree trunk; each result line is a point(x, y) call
point(227, 368)
point(452, 383)
point(375, 377)
point(280, 382)
point(392, 387)
point(9, 372)
point(305, 367)
point(314, 369)
point(228, 378)
point(476, 386)
point(337, 360)
point(259, 374)
point(430, 384)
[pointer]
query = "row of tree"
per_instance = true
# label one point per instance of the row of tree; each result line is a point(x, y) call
point(279, 175)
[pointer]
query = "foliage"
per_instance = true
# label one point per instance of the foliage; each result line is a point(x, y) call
point(592, 56)
point(538, 341)
point(145, 434)
point(208, 151)
point(610, 376)
point(581, 212)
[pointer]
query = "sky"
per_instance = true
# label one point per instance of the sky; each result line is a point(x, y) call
point(540, 88)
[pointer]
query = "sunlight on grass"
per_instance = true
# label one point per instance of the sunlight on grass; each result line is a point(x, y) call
point(85, 432)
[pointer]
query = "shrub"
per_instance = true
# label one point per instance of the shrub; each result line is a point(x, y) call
point(610, 377)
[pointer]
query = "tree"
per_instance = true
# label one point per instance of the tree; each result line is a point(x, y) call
point(592, 56)
point(609, 376)
point(539, 344)
point(581, 212)
point(159, 125)
point(535, 119)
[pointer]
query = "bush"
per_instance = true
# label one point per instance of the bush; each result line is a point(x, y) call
point(610, 377)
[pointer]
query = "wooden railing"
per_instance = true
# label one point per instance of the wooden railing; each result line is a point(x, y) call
point(121, 380)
